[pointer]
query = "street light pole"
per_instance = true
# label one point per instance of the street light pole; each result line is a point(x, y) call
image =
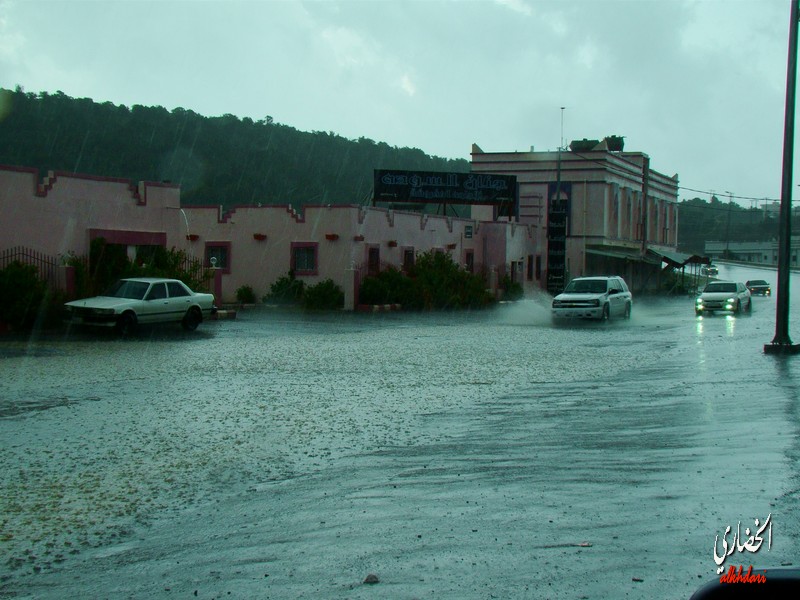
point(782, 343)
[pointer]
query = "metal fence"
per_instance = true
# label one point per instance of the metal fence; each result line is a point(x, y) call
point(200, 276)
point(46, 266)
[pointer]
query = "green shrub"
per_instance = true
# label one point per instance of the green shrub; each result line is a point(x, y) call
point(24, 295)
point(439, 283)
point(373, 290)
point(434, 282)
point(246, 295)
point(286, 290)
point(511, 289)
point(325, 295)
point(388, 287)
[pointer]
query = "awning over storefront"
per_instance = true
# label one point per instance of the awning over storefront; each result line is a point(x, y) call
point(678, 259)
point(623, 254)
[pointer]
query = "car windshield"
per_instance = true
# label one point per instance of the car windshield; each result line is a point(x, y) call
point(720, 287)
point(757, 282)
point(586, 286)
point(133, 290)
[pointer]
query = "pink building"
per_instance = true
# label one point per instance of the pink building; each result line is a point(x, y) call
point(250, 245)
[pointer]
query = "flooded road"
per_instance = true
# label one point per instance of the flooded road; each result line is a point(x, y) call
point(473, 455)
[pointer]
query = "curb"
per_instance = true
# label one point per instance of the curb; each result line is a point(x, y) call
point(374, 308)
point(222, 315)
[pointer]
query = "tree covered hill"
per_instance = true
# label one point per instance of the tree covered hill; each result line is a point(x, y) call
point(700, 221)
point(216, 160)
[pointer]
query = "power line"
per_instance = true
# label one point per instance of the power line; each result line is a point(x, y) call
point(713, 193)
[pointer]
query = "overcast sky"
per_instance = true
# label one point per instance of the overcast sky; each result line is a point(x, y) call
point(698, 85)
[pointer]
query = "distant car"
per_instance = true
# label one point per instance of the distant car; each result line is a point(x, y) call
point(724, 296)
point(758, 287)
point(598, 298)
point(142, 300)
point(710, 270)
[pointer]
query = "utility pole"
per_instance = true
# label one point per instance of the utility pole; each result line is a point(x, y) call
point(645, 201)
point(727, 253)
point(782, 343)
point(556, 282)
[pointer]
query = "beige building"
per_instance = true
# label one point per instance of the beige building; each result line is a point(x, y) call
point(593, 212)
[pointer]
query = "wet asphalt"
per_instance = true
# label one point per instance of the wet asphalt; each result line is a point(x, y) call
point(470, 455)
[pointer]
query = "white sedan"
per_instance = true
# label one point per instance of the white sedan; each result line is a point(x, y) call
point(724, 296)
point(142, 300)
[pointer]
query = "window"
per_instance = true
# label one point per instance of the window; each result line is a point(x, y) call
point(373, 261)
point(220, 252)
point(505, 209)
point(146, 255)
point(538, 266)
point(176, 290)
point(469, 261)
point(157, 292)
point(133, 290)
point(304, 258)
point(530, 267)
point(408, 258)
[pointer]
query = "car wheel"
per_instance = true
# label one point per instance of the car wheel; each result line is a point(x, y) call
point(738, 309)
point(749, 308)
point(628, 310)
point(606, 314)
point(126, 323)
point(192, 319)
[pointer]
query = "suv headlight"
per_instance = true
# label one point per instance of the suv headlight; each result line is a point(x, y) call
point(699, 301)
point(595, 302)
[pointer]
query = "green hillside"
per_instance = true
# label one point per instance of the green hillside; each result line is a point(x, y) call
point(216, 160)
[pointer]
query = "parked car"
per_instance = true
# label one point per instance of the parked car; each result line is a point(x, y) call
point(594, 298)
point(724, 296)
point(142, 300)
point(758, 286)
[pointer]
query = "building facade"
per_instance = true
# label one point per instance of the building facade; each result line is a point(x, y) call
point(248, 245)
point(592, 212)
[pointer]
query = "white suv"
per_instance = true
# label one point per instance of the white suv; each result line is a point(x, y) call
point(598, 298)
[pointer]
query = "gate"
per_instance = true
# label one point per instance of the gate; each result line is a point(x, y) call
point(46, 266)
